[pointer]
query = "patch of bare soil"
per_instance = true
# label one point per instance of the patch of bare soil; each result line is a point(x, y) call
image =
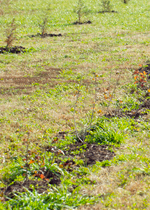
point(15, 50)
point(25, 85)
point(90, 153)
point(81, 23)
point(1, 12)
point(45, 35)
point(22, 84)
point(133, 114)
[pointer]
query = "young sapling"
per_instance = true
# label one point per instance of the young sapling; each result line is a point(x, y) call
point(80, 10)
point(106, 6)
point(44, 24)
point(10, 34)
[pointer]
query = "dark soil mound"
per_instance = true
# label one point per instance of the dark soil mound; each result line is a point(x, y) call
point(92, 152)
point(112, 11)
point(80, 23)
point(45, 35)
point(89, 153)
point(16, 49)
point(19, 187)
point(133, 114)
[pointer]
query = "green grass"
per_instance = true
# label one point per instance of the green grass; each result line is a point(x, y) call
point(37, 98)
point(56, 199)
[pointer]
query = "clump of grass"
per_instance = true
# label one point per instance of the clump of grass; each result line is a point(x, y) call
point(55, 199)
point(10, 34)
point(105, 132)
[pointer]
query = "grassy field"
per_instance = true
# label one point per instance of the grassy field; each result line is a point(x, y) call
point(88, 86)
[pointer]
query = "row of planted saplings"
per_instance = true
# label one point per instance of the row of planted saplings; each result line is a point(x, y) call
point(80, 9)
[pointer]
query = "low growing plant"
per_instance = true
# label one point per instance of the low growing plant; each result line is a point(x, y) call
point(103, 133)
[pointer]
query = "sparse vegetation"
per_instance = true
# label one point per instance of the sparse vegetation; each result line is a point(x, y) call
point(75, 110)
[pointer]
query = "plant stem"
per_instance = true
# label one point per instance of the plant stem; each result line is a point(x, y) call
point(74, 111)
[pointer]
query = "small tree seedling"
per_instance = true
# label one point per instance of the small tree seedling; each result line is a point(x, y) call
point(26, 141)
point(43, 26)
point(91, 116)
point(10, 34)
point(106, 6)
point(44, 23)
point(80, 10)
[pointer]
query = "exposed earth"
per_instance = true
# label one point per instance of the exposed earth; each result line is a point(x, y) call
point(112, 11)
point(15, 49)
point(45, 35)
point(80, 23)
